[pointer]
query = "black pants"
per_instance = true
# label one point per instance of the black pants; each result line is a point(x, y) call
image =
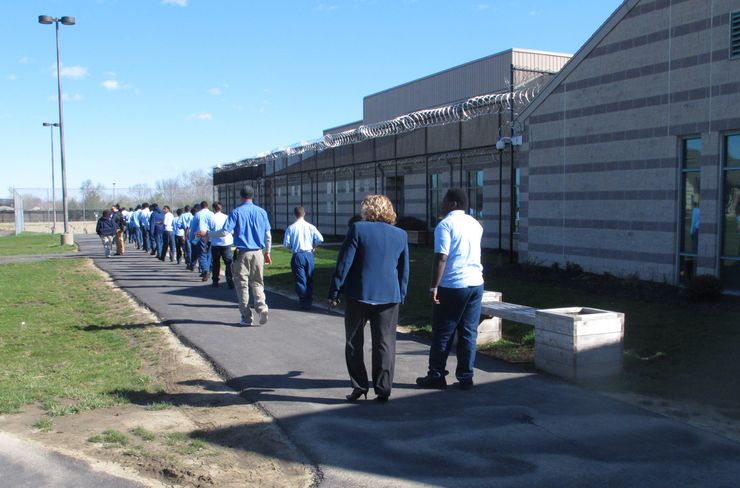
point(383, 320)
point(218, 252)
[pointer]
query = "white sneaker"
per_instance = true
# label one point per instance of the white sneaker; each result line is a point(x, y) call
point(263, 318)
point(245, 322)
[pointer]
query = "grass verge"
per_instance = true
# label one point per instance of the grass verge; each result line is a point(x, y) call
point(66, 339)
point(32, 243)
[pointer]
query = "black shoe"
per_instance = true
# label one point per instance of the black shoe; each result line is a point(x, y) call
point(161, 259)
point(356, 393)
point(231, 284)
point(431, 382)
point(382, 398)
point(465, 385)
point(204, 276)
point(214, 284)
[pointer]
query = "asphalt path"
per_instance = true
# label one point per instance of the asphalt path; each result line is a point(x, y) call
point(515, 428)
point(24, 464)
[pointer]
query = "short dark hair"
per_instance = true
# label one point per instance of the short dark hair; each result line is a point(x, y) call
point(187, 208)
point(247, 192)
point(144, 205)
point(167, 207)
point(178, 211)
point(203, 204)
point(458, 197)
point(106, 213)
point(217, 206)
point(299, 211)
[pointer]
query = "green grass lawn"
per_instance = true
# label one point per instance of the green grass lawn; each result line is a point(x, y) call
point(32, 243)
point(673, 347)
point(67, 340)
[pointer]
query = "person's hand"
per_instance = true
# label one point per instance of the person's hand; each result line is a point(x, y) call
point(433, 293)
point(333, 302)
point(268, 259)
point(200, 233)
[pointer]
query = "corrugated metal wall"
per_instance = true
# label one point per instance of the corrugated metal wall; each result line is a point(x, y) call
point(486, 75)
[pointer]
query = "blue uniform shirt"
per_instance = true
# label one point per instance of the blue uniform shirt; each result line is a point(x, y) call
point(250, 226)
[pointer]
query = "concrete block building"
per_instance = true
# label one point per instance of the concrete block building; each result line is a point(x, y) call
point(630, 162)
point(633, 148)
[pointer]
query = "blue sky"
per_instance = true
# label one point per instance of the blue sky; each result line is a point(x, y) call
point(153, 88)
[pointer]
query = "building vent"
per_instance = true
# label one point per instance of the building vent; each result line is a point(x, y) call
point(735, 35)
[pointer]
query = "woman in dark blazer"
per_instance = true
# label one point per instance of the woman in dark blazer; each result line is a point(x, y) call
point(373, 274)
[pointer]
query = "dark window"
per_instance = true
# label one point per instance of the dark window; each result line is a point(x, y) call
point(730, 261)
point(690, 212)
point(735, 34)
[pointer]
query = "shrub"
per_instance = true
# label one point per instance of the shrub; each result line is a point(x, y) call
point(704, 288)
point(573, 269)
point(410, 223)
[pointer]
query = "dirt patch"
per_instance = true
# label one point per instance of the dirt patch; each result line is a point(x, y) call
point(194, 432)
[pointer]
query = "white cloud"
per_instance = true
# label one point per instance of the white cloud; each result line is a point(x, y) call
point(214, 91)
point(111, 85)
point(109, 74)
point(72, 72)
point(535, 12)
point(482, 6)
point(179, 3)
point(200, 116)
point(24, 60)
point(323, 7)
point(11, 77)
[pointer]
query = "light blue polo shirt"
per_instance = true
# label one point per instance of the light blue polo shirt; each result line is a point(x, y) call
point(458, 236)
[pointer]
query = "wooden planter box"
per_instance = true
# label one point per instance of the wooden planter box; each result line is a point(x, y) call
point(579, 342)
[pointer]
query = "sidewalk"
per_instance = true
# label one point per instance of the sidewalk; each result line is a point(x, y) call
point(513, 429)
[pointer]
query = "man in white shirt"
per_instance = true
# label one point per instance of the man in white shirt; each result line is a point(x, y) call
point(456, 292)
point(168, 234)
point(221, 248)
point(302, 238)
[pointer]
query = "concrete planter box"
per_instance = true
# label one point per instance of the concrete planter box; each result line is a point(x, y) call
point(579, 342)
point(489, 329)
point(417, 236)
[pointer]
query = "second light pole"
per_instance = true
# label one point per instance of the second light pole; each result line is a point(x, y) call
point(51, 126)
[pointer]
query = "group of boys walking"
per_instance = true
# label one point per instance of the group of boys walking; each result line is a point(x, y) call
point(368, 264)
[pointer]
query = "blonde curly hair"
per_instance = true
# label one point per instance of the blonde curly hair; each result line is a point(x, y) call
point(378, 208)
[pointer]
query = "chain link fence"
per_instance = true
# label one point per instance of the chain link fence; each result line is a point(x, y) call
point(41, 209)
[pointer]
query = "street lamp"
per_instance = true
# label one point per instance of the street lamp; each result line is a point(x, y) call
point(67, 237)
point(51, 126)
point(114, 192)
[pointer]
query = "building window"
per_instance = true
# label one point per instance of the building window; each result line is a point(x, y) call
point(730, 258)
point(735, 35)
point(690, 213)
point(394, 191)
point(475, 193)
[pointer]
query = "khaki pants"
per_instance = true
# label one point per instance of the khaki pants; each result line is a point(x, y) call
point(247, 271)
point(119, 242)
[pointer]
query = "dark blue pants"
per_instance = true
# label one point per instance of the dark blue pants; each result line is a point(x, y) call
point(202, 254)
point(168, 244)
point(144, 238)
point(187, 251)
point(218, 253)
point(137, 237)
point(458, 312)
point(302, 265)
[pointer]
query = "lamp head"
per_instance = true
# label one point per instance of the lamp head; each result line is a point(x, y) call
point(46, 19)
point(50, 124)
point(66, 20)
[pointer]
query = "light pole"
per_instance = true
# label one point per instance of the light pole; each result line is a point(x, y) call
point(51, 126)
point(114, 192)
point(67, 237)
